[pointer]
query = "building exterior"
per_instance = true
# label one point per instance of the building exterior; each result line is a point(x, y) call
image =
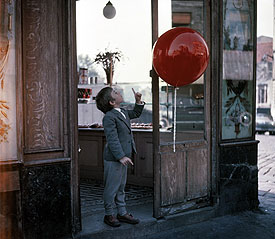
point(273, 71)
point(265, 88)
point(39, 166)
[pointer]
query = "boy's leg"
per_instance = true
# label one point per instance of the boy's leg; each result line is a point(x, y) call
point(123, 215)
point(112, 180)
point(120, 196)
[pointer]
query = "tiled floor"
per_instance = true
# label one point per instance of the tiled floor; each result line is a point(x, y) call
point(91, 196)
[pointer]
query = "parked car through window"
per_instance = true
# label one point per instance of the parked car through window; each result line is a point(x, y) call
point(265, 123)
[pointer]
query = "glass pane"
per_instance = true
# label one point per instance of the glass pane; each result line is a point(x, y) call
point(190, 118)
point(237, 86)
point(8, 142)
point(127, 36)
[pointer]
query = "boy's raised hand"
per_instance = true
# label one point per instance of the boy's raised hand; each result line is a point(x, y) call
point(137, 96)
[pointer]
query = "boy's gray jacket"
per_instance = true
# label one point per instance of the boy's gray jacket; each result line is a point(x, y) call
point(119, 136)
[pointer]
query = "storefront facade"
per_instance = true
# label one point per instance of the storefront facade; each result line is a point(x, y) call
point(212, 162)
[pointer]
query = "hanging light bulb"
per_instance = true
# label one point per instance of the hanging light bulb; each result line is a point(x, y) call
point(109, 11)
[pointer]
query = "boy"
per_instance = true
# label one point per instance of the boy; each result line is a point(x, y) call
point(117, 152)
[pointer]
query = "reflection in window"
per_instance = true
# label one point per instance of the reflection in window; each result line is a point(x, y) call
point(181, 19)
point(190, 117)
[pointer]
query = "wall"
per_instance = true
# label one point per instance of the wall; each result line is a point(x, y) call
point(10, 223)
point(238, 177)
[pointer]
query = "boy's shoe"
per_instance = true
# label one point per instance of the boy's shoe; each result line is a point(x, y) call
point(128, 218)
point(111, 221)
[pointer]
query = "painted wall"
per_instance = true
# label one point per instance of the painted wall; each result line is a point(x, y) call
point(8, 147)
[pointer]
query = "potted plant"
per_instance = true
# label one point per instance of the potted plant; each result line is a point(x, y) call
point(108, 59)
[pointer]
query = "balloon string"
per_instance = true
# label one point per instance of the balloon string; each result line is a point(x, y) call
point(175, 118)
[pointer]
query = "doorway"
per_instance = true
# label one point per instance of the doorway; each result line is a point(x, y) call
point(129, 37)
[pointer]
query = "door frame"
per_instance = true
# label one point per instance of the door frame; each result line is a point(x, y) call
point(75, 181)
point(75, 176)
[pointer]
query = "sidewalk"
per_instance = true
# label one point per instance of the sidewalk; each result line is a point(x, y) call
point(202, 223)
point(258, 224)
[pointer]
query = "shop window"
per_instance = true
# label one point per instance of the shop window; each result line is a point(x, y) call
point(189, 120)
point(237, 83)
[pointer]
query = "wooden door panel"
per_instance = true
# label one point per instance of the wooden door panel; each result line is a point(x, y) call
point(197, 173)
point(145, 161)
point(173, 167)
point(44, 109)
point(89, 154)
point(49, 117)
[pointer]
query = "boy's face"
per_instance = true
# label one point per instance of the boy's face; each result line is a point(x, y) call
point(117, 98)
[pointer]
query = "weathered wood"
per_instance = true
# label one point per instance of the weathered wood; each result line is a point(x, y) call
point(71, 111)
point(183, 146)
point(155, 99)
point(197, 174)
point(145, 156)
point(207, 96)
point(173, 183)
point(49, 86)
point(184, 175)
point(91, 154)
point(43, 75)
point(215, 36)
point(90, 148)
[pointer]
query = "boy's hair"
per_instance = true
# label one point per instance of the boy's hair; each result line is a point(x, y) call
point(103, 99)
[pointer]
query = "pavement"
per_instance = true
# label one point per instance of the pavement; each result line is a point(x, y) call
point(258, 224)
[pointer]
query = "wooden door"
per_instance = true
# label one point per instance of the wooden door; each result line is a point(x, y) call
point(49, 176)
point(182, 167)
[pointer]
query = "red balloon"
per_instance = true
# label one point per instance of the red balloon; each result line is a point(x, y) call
point(180, 56)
